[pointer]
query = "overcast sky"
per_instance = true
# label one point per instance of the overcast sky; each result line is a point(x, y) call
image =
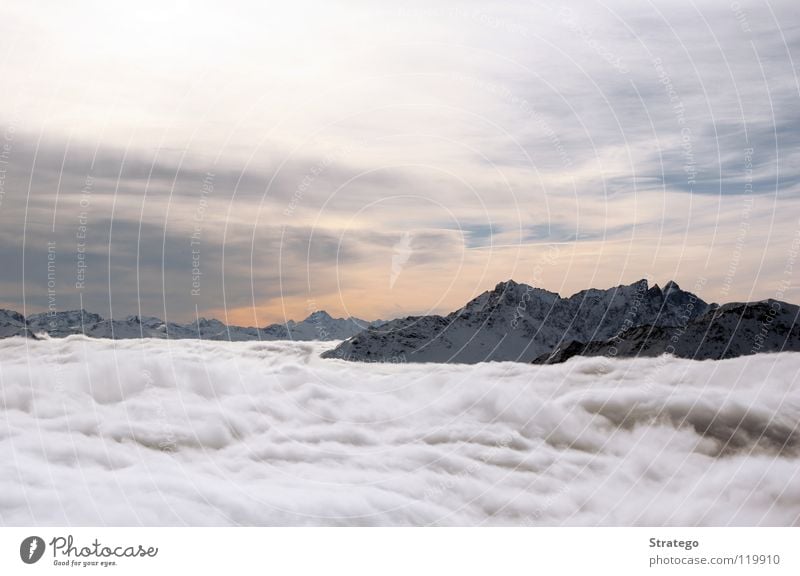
point(383, 159)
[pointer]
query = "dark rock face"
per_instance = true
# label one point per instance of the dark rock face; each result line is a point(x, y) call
point(520, 323)
point(732, 330)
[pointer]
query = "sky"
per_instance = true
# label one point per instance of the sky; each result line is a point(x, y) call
point(255, 163)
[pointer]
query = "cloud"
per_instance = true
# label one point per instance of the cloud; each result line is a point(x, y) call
point(208, 433)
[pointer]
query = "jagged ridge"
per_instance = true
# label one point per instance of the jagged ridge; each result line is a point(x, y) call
point(516, 322)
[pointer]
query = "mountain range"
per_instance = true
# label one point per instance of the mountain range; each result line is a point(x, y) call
point(516, 322)
point(512, 322)
point(318, 326)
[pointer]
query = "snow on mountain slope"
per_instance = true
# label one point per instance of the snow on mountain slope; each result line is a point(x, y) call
point(144, 432)
point(732, 330)
point(518, 322)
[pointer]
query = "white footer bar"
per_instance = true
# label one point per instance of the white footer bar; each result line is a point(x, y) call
point(401, 551)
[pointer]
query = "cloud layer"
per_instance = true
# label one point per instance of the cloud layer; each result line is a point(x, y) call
point(150, 433)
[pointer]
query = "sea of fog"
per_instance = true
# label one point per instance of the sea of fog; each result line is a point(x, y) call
point(151, 432)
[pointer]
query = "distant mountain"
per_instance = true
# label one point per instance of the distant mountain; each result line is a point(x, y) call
point(318, 326)
point(62, 323)
point(517, 322)
point(321, 326)
point(732, 330)
point(13, 324)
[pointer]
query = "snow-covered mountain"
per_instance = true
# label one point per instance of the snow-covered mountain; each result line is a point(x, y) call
point(520, 323)
point(732, 330)
point(318, 326)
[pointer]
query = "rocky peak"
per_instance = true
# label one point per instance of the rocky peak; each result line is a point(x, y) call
point(210, 322)
point(319, 316)
point(505, 286)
